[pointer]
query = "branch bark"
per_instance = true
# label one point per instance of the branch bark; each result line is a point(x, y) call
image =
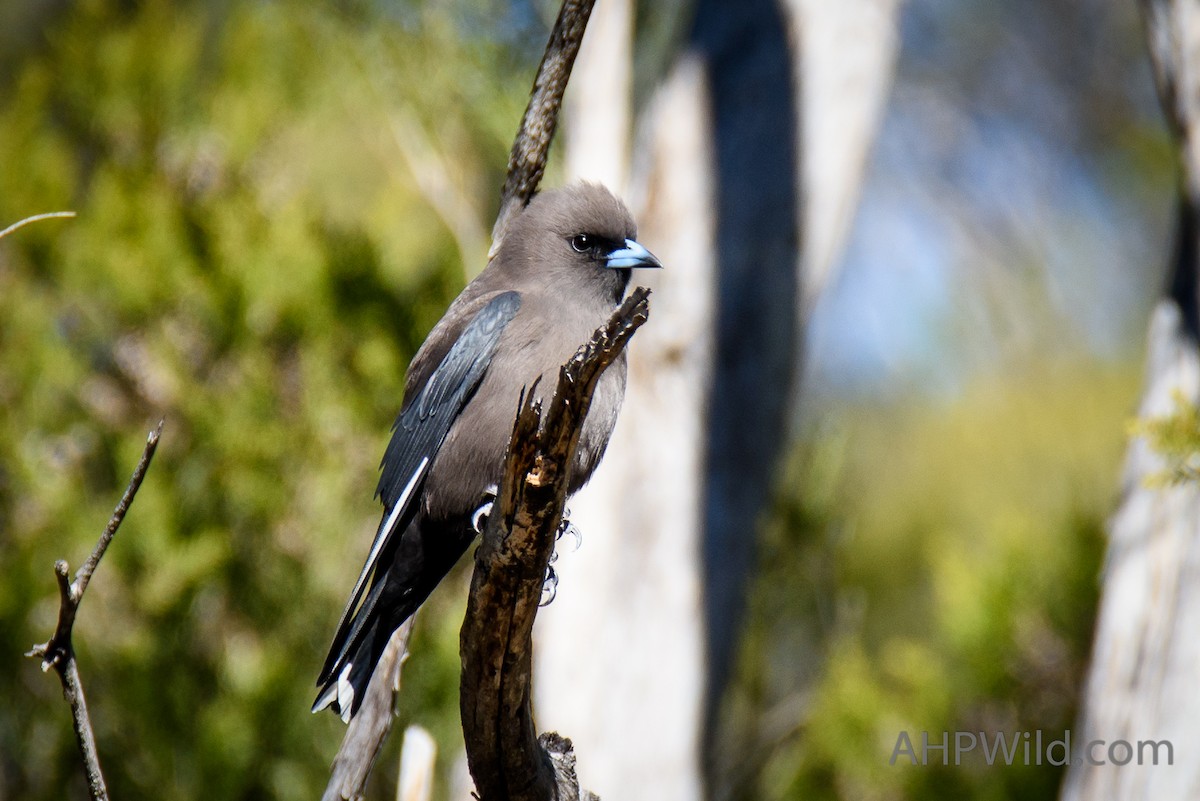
point(58, 652)
point(507, 760)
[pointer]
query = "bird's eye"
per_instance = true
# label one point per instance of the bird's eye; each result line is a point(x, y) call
point(582, 243)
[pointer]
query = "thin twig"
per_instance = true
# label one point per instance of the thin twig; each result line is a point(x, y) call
point(58, 653)
point(82, 723)
point(50, 215)
point(507, 761)
point(531, 148)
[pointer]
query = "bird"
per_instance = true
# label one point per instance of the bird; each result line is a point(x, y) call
point(557, 274)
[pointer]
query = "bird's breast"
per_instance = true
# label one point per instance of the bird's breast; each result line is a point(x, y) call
point(534, 346)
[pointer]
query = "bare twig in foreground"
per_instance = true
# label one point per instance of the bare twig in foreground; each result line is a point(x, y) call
point(58, 653)
point(370, 726)
point(50, 215)
point(507, 759)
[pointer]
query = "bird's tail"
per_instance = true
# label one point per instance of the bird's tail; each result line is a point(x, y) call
point(392, 600)
point(411, 573)
point(345, 689)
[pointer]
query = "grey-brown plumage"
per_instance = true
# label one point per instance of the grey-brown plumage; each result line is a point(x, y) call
point(562, 268)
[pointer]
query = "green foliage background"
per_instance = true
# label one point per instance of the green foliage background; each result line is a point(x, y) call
point(937, 571)
point(254, 262)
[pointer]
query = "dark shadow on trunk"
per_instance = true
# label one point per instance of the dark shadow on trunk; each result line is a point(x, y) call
point(752, 101)
point(1185, 287)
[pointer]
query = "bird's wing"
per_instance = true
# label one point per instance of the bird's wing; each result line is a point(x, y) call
point(426, 418)
point(418, 433)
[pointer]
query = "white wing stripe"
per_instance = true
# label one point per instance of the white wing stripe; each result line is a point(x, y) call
point(386, 529)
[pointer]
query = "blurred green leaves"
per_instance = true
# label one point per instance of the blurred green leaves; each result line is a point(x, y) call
point(931, 567)
point(254, 262)
point(1176, 438)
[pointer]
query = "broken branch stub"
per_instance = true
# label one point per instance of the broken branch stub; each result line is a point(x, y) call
point(503, 751)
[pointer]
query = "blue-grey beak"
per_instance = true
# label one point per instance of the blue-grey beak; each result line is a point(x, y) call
point(632, 255)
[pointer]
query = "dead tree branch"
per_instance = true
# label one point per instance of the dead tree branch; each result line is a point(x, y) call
point(507, 760)
point(527, 160)
point(58, 653)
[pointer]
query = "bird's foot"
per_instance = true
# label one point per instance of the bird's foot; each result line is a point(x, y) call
point(565, 529)
point(480, 518)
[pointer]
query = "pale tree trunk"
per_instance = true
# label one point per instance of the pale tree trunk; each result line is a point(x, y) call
point(634, 653)
point(849, 53)
point(1146, 653)
point(597, 110)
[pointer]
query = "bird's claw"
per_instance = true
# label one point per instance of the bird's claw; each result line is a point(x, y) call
point(549, 586)
point(480, 517)
point(567, 528)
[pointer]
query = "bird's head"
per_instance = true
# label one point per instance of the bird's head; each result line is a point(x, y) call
point(582, 230)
